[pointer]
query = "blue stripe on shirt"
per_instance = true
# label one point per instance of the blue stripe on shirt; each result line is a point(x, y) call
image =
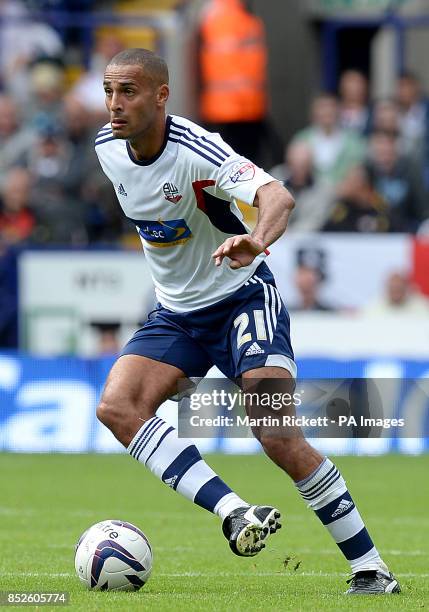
point(200, 153)
point(186, 129)
point(100, 141)
point(199, 144)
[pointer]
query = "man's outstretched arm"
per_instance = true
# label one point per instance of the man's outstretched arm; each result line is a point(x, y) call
point(275, 204)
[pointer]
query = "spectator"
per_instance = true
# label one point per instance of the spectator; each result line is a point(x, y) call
point(397, 180)
point(78, 132)
point(308, 282)
point(313, 199)
point(399, 298)
point(335, 149)
point(23, 40)
point(14, 139)
point(108, 342)
point(414, 115)
point(60, 217)
point(89, 87)
point(385, 116)
point(48, 87)
point(358, 207)
point(233, 73)
point(354, 110)
point(101, 213)
point(16, 219)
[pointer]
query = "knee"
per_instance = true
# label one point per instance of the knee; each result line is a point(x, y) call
point(281, 447)
point(120, 410)
point(112, 410)
point(105, 413)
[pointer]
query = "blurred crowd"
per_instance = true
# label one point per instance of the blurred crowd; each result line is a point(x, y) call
point(362, 165)
point(398, 296)
point(51, 189)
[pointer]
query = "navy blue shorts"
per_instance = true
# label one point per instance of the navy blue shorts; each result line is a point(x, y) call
point(246, 330)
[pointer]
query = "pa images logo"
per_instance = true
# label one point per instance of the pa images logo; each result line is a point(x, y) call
point(241, 172)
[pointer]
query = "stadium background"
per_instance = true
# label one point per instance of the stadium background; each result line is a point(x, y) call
point(73, 282)
point(74, 286)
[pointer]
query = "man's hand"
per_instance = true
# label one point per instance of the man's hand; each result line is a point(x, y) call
point(275, 204)
point(241, 250)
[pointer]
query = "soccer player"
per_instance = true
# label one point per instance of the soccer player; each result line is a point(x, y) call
point(218, 305)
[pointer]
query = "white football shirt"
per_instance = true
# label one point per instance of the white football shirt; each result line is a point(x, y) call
point(183, 203)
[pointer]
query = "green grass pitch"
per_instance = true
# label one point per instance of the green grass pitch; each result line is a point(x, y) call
point(46, 501)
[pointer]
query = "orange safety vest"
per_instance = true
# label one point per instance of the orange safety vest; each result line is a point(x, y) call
point(233, 59)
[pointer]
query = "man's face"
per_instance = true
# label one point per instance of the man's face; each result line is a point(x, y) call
point(397, 288)
point(16, 189)
point(353, 87)
point(407, 92)
point(299, 160)
point(132, 99)
point(307, 281)
point(325, 112)
point(386, 116)
point(8, 117)
point(384, 150)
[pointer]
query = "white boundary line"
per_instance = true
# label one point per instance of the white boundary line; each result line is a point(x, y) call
point(295, 552)
point(392, 552)
point(249, 574)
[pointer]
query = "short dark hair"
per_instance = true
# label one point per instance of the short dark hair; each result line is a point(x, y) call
point(408, 75)
point(154, 66)
point(392, 135)
point(325, 95)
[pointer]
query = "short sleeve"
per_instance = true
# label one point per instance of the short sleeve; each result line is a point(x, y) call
point(241, 178)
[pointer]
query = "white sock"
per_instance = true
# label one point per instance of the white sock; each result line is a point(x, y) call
point(325, 491)
point(177, 462)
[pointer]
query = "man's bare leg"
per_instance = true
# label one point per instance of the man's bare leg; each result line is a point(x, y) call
point(134, 390)
point(324, 490)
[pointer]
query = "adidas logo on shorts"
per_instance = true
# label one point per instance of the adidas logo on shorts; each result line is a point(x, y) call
point(254, 349)
point(344, 505)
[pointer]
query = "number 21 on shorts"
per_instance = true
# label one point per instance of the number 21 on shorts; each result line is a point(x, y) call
point(242, 322)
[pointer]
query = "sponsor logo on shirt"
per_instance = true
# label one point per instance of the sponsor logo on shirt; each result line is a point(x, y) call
point(171, 193)
point(242, 172)
point(164, 233)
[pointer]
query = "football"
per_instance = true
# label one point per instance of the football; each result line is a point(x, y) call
point(113, 556)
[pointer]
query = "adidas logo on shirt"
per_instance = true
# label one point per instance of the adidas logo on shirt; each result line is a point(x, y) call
point(344, 505)
point(254, 349)
point(121, 190)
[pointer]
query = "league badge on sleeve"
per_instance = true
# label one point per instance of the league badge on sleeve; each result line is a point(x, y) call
point(241, 172)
